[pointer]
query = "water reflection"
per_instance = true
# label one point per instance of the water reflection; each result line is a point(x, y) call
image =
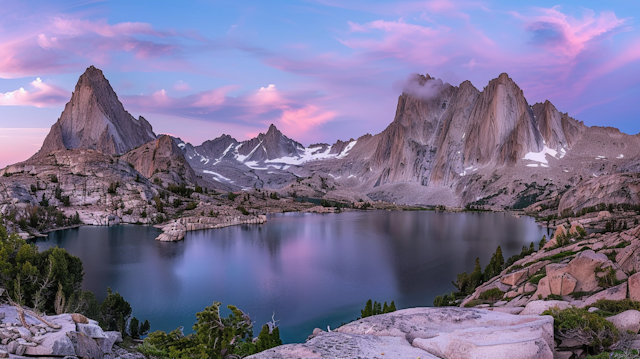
point(312, 270)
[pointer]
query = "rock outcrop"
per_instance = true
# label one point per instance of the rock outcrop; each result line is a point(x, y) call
point(176, 230)
point(446, 333)
point(54, 336)
point(161, 158)
point(95, 119)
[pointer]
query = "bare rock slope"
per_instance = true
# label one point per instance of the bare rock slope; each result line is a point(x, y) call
point(448, 333)
point(95, 119)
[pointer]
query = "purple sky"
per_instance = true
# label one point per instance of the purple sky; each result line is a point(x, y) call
point(320, 70)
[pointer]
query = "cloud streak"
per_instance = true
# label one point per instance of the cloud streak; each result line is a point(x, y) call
point(40, 95)
point(296, 112)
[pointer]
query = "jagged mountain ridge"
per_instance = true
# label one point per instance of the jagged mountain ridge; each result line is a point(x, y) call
point(455, 145)
point(451, 145)
point(95, 119)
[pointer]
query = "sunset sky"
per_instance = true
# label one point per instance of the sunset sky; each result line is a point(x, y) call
point(320, 70)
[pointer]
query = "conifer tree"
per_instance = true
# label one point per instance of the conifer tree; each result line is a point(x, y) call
point(392, 307)
point(543, 242)
point(368, 310)
point(385, 308)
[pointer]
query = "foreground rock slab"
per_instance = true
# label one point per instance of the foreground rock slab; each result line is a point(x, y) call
point(446, 333)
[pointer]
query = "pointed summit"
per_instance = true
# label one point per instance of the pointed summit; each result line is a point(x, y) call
point(95, 119)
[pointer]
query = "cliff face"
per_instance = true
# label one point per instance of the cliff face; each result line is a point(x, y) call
point(95, 119)
point(161, 158)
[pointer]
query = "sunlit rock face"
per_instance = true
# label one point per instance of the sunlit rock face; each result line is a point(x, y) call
point(95, 119)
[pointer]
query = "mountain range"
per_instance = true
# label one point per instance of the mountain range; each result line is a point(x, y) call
point(447, 145)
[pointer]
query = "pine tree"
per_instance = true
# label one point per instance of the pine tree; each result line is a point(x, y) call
point(542, 243)
point(532, 248)
point(385, 308)
point(134, 327)
point(368, 310)
point(392, 307)
point(475, 279)
point(499, 259)
point(377, 308)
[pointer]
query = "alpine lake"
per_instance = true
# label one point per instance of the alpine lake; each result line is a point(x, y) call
point(306, 270)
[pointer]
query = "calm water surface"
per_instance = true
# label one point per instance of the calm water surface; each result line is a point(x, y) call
point(311, 270)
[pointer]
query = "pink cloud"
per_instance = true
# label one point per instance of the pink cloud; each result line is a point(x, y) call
point(41, 95)
point(295, 113)
point(60, 44)
point(566, 36)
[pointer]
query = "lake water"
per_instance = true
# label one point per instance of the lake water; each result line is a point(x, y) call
point(312, 270)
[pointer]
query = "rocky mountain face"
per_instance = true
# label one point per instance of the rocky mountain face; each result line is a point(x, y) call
point(163, 159)
point(447, 145)
point(451, 145)
point(95, 119)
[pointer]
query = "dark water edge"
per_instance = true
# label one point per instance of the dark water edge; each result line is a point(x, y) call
point(311, 270)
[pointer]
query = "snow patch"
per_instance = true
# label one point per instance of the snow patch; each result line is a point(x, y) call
point(346, 150)
point(224, 154)
point(532, 165)
point(601, 158)
point(241, 158)
point(620, 156)
point(540, 156)
point(352, 176)
point(218, 177)
point(182, 145)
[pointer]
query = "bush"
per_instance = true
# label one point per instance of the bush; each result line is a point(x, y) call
point(113, 187)
point(232, 196)
point(177, 202)
point(609, 279)
point(492, 294)
point(536, 278)
point(446, 300)
point(181, 190)
point(191, 205)
point(613, 307)
point(589, 329)
point(214, 337)
point(54, 179)
point(243, 210)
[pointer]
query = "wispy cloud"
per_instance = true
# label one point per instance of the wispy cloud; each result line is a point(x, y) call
point(60, 44)
point(39, 94)
point(294, 112)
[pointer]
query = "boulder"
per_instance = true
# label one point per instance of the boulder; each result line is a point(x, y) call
point(345, 345)
point(629, 257)
point(626, 321)
point(463, 332)
point(543, 290)
point(560, 282)
point(518, 342)
point(90, 330)
point(56, 343)
point(515, 278)
point(614, 293)
point(537, 307)
point(106, 343)
point(582, 268)
point(508, 310)
point(79, 318)
point(634, 287)
point(85, 346)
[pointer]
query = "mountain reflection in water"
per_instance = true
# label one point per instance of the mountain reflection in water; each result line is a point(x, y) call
point(311, 270)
